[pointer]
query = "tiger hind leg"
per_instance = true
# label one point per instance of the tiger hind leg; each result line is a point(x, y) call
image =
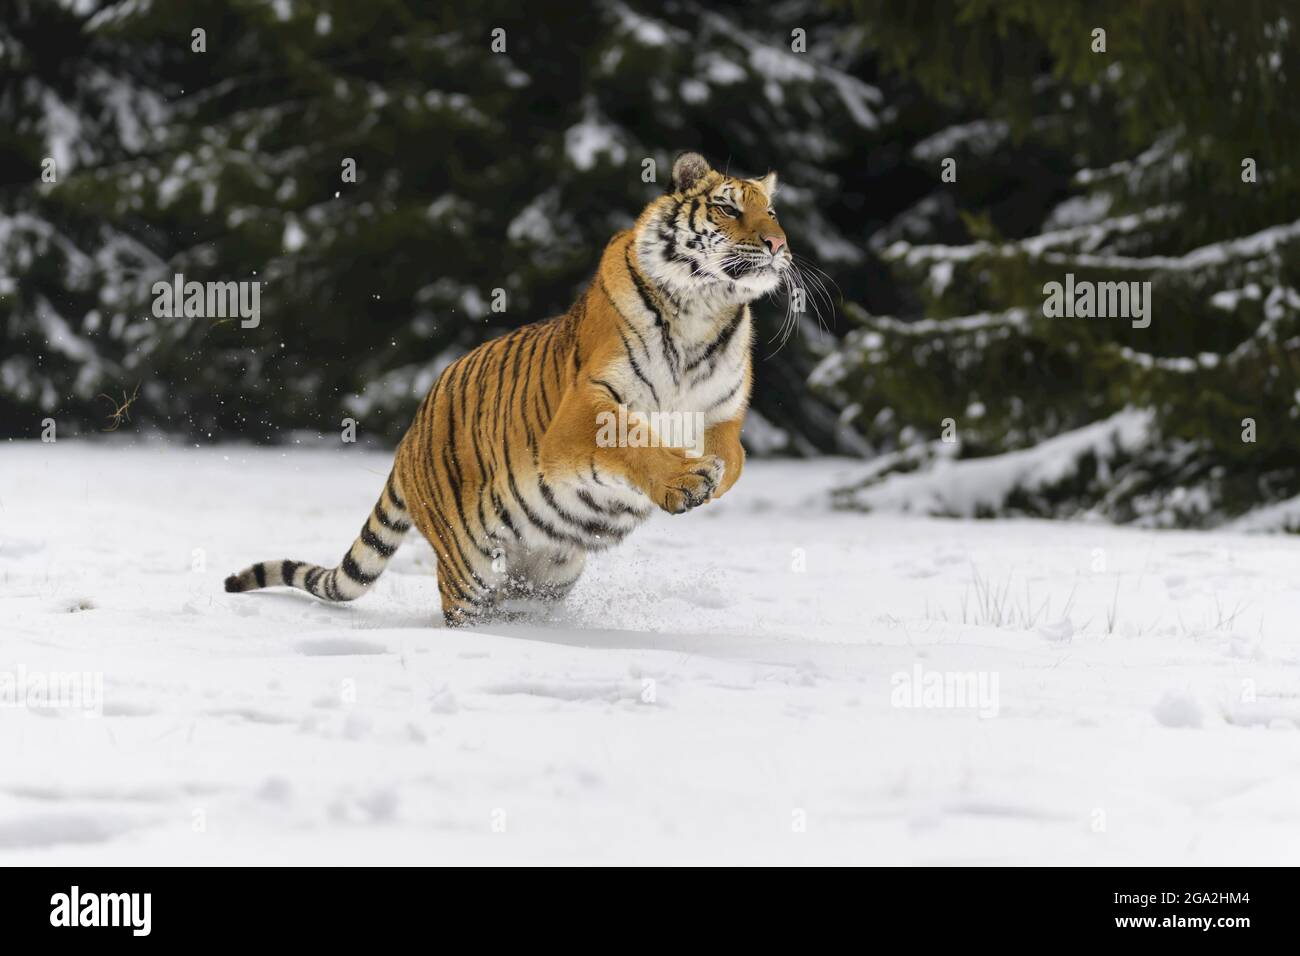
point(543, 582)
point(465, 599)
point(532, 588)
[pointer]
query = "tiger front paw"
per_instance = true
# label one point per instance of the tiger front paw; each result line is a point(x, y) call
point(695, 484)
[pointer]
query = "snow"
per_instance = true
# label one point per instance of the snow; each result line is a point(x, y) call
point(858, 98)
point(534, 223)
point(586, 141)
point(1078, 211)
point(62, 131)
point(940, 277)
point(973, 486)
point(720, 71)
point(1124, 696)
point(1273, 240)
point(693, 91)
point(1085, 238)
point(780, 66)
point(59, 336)
point(1228, 299)
point(648, 32)
point(294, 235)
point(1281, 516)
point(977, 138)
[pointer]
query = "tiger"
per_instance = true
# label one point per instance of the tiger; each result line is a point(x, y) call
point(503, 469)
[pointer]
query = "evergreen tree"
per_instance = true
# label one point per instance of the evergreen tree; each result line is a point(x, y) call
point(490, 169)
point(1183, 156)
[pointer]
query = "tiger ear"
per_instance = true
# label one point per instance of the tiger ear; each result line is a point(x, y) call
point(768, 183)
point(688, 169)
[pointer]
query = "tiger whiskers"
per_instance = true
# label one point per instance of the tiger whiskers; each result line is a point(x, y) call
point(805, 287)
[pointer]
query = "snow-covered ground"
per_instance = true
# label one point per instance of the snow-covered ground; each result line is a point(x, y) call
point(728, 686)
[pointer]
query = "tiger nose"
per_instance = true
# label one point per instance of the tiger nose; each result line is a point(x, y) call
point(774, 243)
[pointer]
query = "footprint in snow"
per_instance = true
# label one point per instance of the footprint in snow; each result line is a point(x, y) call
point(1178, 709)
point(338, 647)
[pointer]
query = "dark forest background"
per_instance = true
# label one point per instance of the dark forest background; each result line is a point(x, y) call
point(1166, 149)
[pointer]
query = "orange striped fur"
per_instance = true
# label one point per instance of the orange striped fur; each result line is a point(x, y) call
point(503, 469)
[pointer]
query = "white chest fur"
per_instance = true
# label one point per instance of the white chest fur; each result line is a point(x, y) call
point(692, 364)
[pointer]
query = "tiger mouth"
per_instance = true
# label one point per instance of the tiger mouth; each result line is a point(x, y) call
point(751, 267)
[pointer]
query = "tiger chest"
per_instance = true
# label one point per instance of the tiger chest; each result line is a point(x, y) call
point(700, 375)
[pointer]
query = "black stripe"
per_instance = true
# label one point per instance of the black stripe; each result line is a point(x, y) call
point(542, 414)
point(723, 338)
point(450, 576)
point(507, 344)
point(475, 436)
point(535, 519)
point(288, 569)
point(376, 544)
point(426, 485)
point(665, 337)
point(623, 319)
point(723, 400)
point(392, 493)
point(699, 211)
point(505, 407)
point(424, 433)
point(514, 371)
point(705, 183)
point(610, 388)
point(259, 572)
point(382, 517)
point(476, 360)
point(455, 477)
point(668, 233)
point(353, 570)
point(503, 513)
point(597, 529)
point(449, 449)
point(465, 571)
point(482, 491)
point(614, 508)
point(543, 394)
point(557, 359)
point(523, 395)
point(454, 491)
point(584, 496)
point(446, 582)
point(636, 369)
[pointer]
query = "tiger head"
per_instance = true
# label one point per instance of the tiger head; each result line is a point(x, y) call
point(714, 234)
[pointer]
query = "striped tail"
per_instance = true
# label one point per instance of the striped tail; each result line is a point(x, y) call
point(364, 562)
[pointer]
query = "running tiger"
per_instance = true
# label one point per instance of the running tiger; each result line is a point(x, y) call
point(502, 470)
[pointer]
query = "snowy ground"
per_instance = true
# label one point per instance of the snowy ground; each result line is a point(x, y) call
point(701, 699)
